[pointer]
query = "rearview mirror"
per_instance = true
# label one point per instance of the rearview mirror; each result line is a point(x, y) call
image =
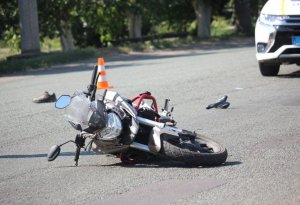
point(63, 101)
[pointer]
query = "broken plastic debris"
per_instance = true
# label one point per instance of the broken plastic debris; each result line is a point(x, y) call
point(221, 103)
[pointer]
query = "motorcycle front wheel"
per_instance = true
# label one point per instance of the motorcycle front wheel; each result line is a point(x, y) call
point(200, 151)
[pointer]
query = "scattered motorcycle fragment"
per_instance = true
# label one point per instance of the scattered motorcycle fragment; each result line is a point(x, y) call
point(221, 103)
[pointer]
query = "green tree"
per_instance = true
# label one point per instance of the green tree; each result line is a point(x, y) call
point(95, 22)
point(243, 16)
point(55, 18)
point(256, 6)
point(9, 24)
point(203, 17)
point(204, 11)
point(29, 24)
point(176, 14)
point(135, 9)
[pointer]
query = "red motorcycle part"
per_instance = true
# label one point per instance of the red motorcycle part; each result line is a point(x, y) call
point(145, 96)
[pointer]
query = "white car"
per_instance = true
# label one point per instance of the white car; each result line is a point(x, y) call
point(277, 35)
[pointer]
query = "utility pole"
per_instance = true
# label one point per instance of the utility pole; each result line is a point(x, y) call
point(30, 40)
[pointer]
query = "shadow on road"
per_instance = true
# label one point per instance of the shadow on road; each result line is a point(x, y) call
point(133, 59)
point(25, 156)
point(120, 61)
point(295, 74)
point(151, 163)
point(160, 163)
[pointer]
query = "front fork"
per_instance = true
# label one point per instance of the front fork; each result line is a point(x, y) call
point(80, 143)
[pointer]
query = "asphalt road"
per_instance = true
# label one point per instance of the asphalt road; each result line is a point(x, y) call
point(261, 130)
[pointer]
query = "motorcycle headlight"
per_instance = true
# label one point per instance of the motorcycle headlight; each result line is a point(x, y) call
point(113, 128)
point(271, 19)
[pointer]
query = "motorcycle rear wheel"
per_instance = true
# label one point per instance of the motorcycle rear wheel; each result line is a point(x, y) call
point(202, 151)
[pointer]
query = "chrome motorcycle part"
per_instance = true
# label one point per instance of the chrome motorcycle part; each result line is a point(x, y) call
point(113, 128)
point(154, 143)
point(145, 121)
point(165, 111)
point(113, 98)
point(53, 153)
point(140, 146)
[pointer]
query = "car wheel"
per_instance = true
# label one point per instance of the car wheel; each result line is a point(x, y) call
point(268, 69)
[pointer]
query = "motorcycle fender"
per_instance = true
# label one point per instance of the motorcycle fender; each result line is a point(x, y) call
point(154, 143)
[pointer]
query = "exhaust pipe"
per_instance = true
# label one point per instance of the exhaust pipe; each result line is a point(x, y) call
point(140, 146)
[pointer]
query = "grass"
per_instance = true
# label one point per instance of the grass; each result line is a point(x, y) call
point(47, 60)
point(155, 44)
point(5, 52)
point(220, 29)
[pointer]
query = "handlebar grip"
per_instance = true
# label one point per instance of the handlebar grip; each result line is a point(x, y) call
point(94, 75)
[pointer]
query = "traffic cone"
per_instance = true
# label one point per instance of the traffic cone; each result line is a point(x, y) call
point(102, 81)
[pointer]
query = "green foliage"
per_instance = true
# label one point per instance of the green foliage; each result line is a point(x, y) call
point(166, 16)
point(48, 45)
point(9, 18)
point(97, 22)
point(9, 24)
point(221, 28)
point(12, 39)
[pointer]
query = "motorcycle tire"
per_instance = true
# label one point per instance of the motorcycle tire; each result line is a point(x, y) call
point(202, 151)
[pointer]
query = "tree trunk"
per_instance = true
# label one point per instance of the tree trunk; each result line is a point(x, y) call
point(203, 17)
point(66, 36)
point(30, 40)
point(243, 16)
point(135, 25)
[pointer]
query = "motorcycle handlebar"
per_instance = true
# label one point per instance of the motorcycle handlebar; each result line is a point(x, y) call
point(92, 87)
point(94, 75)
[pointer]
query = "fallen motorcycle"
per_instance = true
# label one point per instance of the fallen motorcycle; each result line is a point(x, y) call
point(132, 129)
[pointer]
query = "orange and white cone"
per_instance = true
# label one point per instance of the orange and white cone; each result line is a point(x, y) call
point(102, 81)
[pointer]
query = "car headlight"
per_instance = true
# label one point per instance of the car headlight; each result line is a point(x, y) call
point(271, 19)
